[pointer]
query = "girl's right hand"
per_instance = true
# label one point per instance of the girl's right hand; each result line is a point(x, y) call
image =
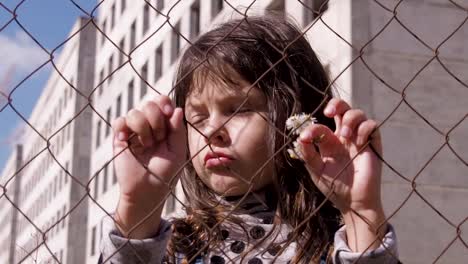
point(154, 136)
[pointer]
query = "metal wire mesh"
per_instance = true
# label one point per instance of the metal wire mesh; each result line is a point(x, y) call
point(401, 91)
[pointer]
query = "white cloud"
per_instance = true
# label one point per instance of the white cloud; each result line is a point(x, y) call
point(15, 136)
point(21, 51)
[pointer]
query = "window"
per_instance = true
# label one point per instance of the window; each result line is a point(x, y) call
point(69, 127)
point(108, 119)
point(216, 7)
point(158, 64)
point(57, 227)
point(195, 19)
point(64, 213)
point(104, 179)
point(146, 11)
point(112, 18)
point(118, 106)
point(55, 186)
point(175, 42)
point(62, 138)
point(144, 76)
point(65, 97)
point(60, 179)
point(111, 68)
point(133, 36)
point(277, 6)
point(130, 95)
point(312, 9)
point(66, 175)
point(98, 133)
point(103, 37)
point(123, 5)
point(121, 53)
point(101, 78)
point(93, 241)
point(114, 175)
point(96, 186)
point(159, 5)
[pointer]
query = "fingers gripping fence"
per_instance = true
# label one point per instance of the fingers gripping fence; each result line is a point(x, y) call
point(383, 60)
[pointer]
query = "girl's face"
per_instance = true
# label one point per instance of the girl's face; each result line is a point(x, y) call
point(236, 150)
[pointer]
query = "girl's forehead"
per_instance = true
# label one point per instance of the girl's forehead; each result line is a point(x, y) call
point(222, 92)
point(212, 87)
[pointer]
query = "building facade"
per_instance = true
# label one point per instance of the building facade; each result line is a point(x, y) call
point(414, 85)
point(52, 201)
point(10, 180)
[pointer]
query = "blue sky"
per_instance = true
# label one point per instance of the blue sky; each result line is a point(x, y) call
point(49, 22)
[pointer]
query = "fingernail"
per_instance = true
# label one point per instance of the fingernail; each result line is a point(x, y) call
point(121, 136)
point(319, 139)
point(168, 109)
point(360, 141)
point(330, 110)
point(346, 132)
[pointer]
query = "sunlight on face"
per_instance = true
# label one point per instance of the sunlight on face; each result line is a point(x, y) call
point(227, 157)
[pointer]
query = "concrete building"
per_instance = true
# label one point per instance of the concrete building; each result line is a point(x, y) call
point(373, 57)
point(10, 181)
point(370, 64)
point(405, 64)
point(52, 200)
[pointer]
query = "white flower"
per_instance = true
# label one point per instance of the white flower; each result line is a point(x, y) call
point(297, 123)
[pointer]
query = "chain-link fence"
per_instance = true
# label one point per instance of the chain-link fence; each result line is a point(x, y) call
point(403, 62)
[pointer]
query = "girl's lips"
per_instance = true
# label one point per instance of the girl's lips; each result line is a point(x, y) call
point(218, 161)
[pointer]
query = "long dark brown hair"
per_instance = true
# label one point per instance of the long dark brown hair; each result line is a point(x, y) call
point(272, 54)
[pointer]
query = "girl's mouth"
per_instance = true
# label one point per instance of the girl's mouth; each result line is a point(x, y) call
point(217, 159)
point(217, 162)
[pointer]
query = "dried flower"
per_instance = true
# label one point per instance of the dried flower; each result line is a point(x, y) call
point(297, 123)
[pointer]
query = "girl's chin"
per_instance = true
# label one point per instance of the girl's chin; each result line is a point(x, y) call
point(228, 186)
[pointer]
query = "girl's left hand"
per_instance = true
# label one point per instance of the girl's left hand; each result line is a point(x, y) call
point(358, 174)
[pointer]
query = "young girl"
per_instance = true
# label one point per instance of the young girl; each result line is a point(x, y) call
point(247, 200)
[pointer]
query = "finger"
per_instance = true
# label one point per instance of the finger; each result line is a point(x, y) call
point(366, 131)
point(335, 107)
point(350, 121)
point(156, 119)
point(322, 136)
point(121, 132)
point(138, 123)
point(165, 104)
point(337, 119)
point(311, 136)
point(177, 131)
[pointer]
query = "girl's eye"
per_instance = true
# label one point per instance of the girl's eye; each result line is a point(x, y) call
point(196, 119)
point(242, 110)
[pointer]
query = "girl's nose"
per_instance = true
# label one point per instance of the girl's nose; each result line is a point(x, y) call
point(217, 135)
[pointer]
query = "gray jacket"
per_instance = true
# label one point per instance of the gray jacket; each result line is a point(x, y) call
point(116, 249)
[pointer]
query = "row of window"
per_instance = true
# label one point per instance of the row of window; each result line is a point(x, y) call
point(102, 180)
point(55, 115)
point(34, 240)
point(93, 245)
point(58, 255)
point(25, 224)
point(176, 40)
point(312, 9)
point(45, 167)
point(46, 197)
point(108, 23)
